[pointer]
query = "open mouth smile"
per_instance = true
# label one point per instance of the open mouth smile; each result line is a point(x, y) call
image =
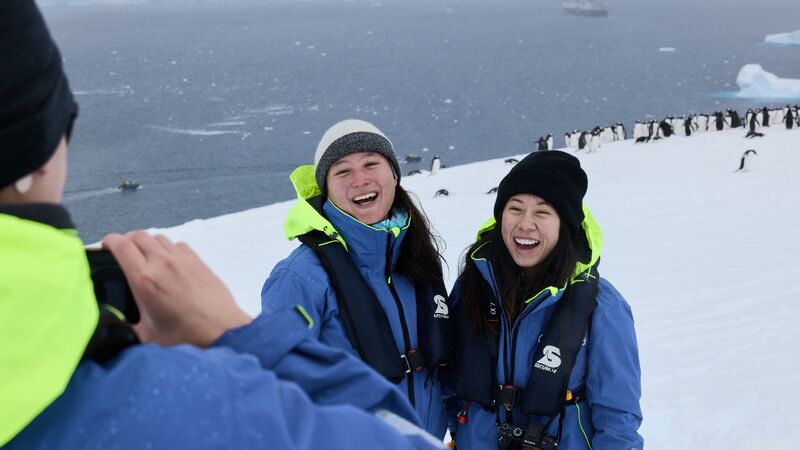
point(365, 199)
point(526, 244)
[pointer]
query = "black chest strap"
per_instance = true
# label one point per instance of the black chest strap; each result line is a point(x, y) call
point(546, 391)
point(366, 323)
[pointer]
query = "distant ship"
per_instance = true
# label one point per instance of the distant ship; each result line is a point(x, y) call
point(590, 8)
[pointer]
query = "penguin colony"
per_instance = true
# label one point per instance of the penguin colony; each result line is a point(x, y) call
point(754, 121)
point(654, 130)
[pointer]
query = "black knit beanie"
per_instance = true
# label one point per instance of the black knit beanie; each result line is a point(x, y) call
point(554, 176)
point(36, 105)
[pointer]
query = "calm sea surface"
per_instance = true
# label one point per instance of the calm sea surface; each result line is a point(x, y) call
point(211, 105)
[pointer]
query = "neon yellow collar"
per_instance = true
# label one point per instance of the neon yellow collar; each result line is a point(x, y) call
point(48, 313)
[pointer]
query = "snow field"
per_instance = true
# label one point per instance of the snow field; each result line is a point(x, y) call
point(707, 258)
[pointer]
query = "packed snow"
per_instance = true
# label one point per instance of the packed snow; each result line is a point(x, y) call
point(755, 82)
point(706, 256)
point(792, 38)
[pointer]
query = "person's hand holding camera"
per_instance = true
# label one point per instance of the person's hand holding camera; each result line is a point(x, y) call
point(180, 300)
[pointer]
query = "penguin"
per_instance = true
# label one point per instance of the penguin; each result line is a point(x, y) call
point(541, 144)
point(744, 164)
point(619, 132)
point(594, 143)
point(574, 137)
point(753, 134)
point(687, 126)
point(414, 172)
point(719, 121)
point(511, 161)
point(764, 117)
point(566, 141)
point(637, 131)
point(549, 141)
point(582, 140)
point(441, 193)
point(736, 121)
point(666, 128)
point(788, 118)
point(492, 191)
point(436, 164)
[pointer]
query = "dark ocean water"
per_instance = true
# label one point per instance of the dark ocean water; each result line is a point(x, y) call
point(211, 105)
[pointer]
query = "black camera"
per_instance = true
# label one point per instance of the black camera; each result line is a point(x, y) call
point(110, 286)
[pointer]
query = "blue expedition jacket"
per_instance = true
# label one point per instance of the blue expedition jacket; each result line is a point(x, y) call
point(301, 279)
point(269, 384)
point(607, 368)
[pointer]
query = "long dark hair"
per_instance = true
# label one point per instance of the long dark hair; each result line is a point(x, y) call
point(420, 258)
point(514, 284)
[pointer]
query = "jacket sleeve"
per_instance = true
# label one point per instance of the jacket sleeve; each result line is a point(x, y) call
point(272, 413)
point(282, 343)
point(285, 287)
point(614, 377)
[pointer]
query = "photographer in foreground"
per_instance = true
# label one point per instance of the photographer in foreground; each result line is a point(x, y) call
point(73, 377)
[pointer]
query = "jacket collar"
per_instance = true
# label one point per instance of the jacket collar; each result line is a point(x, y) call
point(367, 245)
point(594, 239)
point(51, 214)
point(47, 310)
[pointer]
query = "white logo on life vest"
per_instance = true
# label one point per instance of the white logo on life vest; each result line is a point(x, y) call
point(551, 360)
point(442, 312)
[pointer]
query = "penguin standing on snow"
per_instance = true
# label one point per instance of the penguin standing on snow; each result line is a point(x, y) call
point(788, 118)
point(736, 121)
point(566, 141)
point(582, 140)
point(619, 132)
point(436, 163)
point(594, 142)
point(765, 116)
point(744, 164)
point(687, 126)
point(549, 141)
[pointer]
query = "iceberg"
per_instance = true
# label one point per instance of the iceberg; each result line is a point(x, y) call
point(792, 38)
point(755, 82)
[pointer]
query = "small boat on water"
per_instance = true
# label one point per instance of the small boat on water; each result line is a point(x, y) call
point(588, 8)
point(129, 186)
point(412, 158)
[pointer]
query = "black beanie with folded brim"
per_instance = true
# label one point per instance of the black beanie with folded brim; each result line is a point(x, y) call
point(36, 105)
point(556, 177)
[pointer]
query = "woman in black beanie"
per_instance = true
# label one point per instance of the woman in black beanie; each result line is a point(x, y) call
point(546, 352)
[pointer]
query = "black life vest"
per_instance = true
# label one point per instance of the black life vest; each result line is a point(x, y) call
point(365, 321)
point(472, 372)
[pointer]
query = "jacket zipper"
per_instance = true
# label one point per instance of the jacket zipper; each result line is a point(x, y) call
point(401, 312)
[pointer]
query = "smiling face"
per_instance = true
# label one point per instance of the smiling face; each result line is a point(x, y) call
point(530, 229)
point(362, 185)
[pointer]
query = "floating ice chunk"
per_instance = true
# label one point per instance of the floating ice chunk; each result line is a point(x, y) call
point(666, 49)
point(194, 132)
point(448, 101)
point(755, 82)
point(792, 38)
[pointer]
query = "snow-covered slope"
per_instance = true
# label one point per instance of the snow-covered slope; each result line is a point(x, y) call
point(755, 82)
point(707, 258)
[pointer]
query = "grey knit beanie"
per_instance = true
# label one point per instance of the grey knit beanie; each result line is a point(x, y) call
point(348, 137)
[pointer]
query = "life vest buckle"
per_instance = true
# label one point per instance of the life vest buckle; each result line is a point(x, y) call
point(506, 395)
point(413, 361)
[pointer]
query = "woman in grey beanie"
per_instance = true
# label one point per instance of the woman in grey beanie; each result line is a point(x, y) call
point(377, 291)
